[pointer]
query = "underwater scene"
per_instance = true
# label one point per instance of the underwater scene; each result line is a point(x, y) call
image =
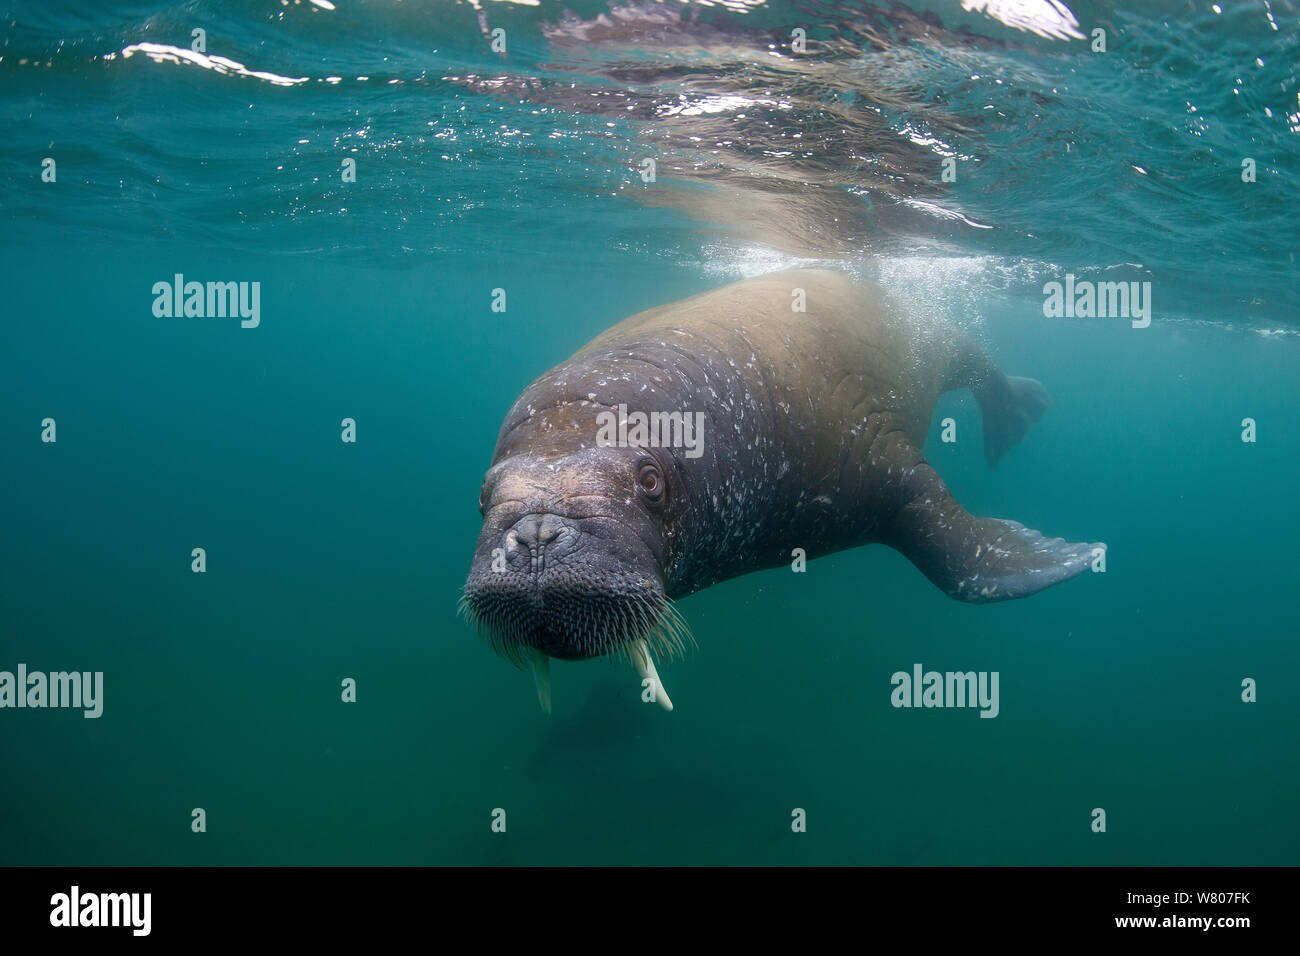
point(936, 506)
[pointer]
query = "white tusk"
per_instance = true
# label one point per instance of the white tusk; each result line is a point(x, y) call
point(542, 678)
point(645, 666)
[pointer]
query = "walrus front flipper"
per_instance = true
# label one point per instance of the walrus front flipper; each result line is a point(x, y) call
point(979, 559)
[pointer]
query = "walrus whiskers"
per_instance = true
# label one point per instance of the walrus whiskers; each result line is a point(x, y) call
point(637, 630)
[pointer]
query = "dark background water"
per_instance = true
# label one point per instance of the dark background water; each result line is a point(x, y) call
point(329, 560)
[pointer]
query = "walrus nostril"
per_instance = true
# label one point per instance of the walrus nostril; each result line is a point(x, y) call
point(536, 531)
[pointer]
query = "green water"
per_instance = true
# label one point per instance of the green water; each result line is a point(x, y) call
point(329, 560)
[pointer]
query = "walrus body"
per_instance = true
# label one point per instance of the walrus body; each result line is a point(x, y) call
point(812, 424)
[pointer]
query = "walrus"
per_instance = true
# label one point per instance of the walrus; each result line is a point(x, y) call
point(711, 437)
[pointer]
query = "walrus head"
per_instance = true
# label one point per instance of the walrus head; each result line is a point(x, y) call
point(570, 561)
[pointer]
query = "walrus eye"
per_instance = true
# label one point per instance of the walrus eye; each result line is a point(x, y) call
point(651, 482)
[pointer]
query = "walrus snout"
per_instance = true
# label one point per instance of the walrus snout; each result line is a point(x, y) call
point(555, 585)
point(570, 564)
point(536, 540)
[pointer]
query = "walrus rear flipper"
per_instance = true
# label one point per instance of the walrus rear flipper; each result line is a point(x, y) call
point(1009, 407)
point(1008, 404)
point(980, 559)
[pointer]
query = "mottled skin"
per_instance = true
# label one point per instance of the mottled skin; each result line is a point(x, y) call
point(813, 425)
